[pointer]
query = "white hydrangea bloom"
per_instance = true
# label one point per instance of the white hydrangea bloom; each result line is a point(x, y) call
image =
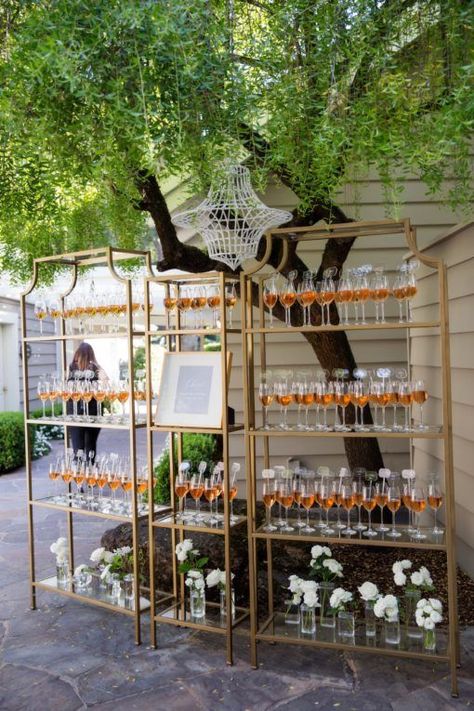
point(416, 578)
point(368, 591)
point(318, 551)
point(333, 566)
point(97, 555)
point(213, 578)
point(311, 598)
point(399, 578)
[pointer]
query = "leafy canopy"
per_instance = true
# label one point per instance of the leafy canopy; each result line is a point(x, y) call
point(95, 93)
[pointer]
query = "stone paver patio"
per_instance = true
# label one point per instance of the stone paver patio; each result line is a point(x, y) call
point(68, 656)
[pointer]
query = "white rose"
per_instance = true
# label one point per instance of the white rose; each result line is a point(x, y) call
point(108, 556)
point(401, 565)
point(311, 598)
point(195, 574)
point(296, 599)
point(318, 551)
point(58, 546)
point(105, 573)
point(188, 544)
point(391, 613)
point(425, 573)
point(97, 555)
point(421, 604)
point(416, 578)
point(399, 578)
point(80, 568)
point(125, 550)
point(379, 607)
point(199, 584)
point(213, 578)
point(368, 591)
point(436, 604)
point(436, 617)
point(188, 582)
point(308, 586)
point(391, 601)
point(340, 597)
point(295, 584)
point(420, 618)
point(333, 566)
point(429, 624)
point(61, 558)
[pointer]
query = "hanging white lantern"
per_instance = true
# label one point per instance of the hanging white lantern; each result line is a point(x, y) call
point(232, 219)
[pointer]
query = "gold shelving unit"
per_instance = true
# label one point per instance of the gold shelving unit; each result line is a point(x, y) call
point(272, 628)
point(109, 257)
point(175, 611)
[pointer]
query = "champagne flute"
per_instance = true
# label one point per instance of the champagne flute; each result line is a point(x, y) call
point(399, 292)
point(269, 498)
point(435, 499)
point(418, 505)
point(181, 488)
point(287, 296)
point(405, 398)
point(348, 503)
point(369, 503)
point(328, 291)
point(40, 312)
point(307, 501)
point(306, 296)
point(284, 398)
point(286, 498)
point(210, 495)
point(394, 501)
point(327, 499)
point(344, 294)
point(196, 489)
point(266, 394)
point(199, 303)
point(358, 492)
point(420, 396)
point(381, 498)
point(380, 293)
point(270, 295)
point(214, 302)
point(230, 300)
point(43, 389)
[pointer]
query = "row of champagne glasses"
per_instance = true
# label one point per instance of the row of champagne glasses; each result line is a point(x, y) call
point(93, 478)
point(305, 490)
point(355, 286)
point(84, 390)
point(195, 299)
point(326, 396)
point(209, 486)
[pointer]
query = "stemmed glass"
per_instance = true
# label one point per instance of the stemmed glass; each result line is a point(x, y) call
point(196, 489)
point(181, 488)
point(380, 293)
point(307, 391)
point(306, 296)
point(86, 397)
point(54, 474)
point(230, 300)
point(43, 390)
point(269, 498)
point(369, 503)
point(198, 304)
point(270, 295)
point(328, 292)
point(99, 395)
point(394, 501)
point(266, 394)
point(123, 395)
point(348, 502)
point(399, 292)
point(345, 294)
point(342, 400)
point(307, 500)
point(235, 468)
point(358, 492)
point(435, 499)
point(408, 270)
point(326, 499)
point(418, 505)
point(286, 498)
point(381, 498)
point(420, 396)
point(170, 301)
point(184, 303)
point(40, 312)
point(284, 397)
point(391, 393)
point(405, 398)
point(287, 296)
point(210, 495)
point(214, 302)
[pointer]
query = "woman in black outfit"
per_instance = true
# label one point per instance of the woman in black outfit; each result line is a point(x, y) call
point(85, 366)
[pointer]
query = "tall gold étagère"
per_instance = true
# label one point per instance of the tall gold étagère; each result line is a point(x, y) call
point(110, 258)
point(256, 343)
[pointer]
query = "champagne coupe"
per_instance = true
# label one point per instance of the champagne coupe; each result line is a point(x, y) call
point(394, 501)
point(344, 294)
point(266, 394)
point(269, 498)
point(420, 396)
point(348, 503)
point(435, 499)
point(369, 503)
point(380, 293)
point(286, 498)
point(418, 505)
point(214, 302)
point(43, 390)
point(307, 501)
point(270, 295)
point(287, 296)
point(40, 312)
point(230, 300)
point(381, 498)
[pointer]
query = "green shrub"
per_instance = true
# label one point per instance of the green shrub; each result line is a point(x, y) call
point(196, 448)
point(12, 441)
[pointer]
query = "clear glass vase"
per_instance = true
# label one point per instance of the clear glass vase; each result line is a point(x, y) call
point(429, 640)
point(223, 604)
point(411, 598)
point(62, 574)
point(325, 591)
point(197, 604)
point(392, 631)
point(292, 613)
point(370, 620)
point(307, 619)
point(127, 586)
point(114, 587)
point(346, 624)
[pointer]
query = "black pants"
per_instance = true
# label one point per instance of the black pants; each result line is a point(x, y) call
point(85, 438)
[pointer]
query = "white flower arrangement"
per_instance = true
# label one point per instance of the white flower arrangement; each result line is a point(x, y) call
point(183, 549)
point(195, 580)
point(369, 592)
point(318, 551)
point(217, 577)
point(295, 588)
point(82, 568)
point(398, 569)
point(386, 607)
point(323, 565)
point(339, 599)
point(422, 579)
point(428, 613)
point(59, 548)
point(309, 589)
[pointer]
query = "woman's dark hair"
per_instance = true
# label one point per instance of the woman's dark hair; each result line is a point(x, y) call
point(84, 357)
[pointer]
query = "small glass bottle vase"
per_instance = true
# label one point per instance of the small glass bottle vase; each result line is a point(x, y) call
point(292, 613)
point(325, 591)
point(307, 619)
point(62, 574)
point(346, 625)
point(370, 626)
point(197, 604)
point(429, 640)
point(392, 630)
point(223, 604)
point(128, 590)
point(412, 630)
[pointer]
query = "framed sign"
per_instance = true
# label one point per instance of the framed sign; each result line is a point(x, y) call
point(190, 393)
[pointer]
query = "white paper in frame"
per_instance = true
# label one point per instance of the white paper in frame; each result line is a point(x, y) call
point(191, 390)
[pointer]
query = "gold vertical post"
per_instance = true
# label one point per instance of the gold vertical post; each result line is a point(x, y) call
point(149, 440)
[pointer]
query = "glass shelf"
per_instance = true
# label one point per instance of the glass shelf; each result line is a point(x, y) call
point(71, 503)
point(388, 325)
point(82, 336)
point(172, 521)
point(93, 594)
point(275, 630)
point(432, 432)
point(178, 614)
point(197, 430)
point(93, 422)
point(431, 542)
